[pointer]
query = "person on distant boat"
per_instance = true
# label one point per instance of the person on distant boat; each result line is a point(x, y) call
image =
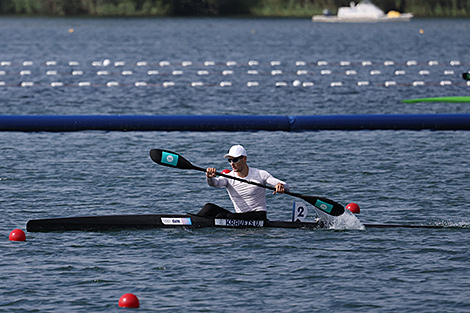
point(248, 200)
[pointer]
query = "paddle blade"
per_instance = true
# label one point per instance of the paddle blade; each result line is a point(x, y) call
point(170, 159)
point(326, 205)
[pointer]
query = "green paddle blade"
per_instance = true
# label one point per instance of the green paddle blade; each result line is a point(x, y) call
point(171, 159)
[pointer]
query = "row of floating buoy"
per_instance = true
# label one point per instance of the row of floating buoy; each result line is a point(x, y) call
point(224, 73)
point(295, 83)
point(107, 63)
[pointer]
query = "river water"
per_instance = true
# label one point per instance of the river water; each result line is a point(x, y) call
point(234, 66)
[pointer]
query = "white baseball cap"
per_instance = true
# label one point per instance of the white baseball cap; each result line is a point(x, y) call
point(236, 151)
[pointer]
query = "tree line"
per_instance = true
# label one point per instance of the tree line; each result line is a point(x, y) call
point(256, 8)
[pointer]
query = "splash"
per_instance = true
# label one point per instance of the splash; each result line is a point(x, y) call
point(345, 221)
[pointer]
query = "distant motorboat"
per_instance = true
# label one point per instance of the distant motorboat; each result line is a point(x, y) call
point(363, 12)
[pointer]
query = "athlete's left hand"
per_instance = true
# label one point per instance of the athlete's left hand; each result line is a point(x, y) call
point(279, 188)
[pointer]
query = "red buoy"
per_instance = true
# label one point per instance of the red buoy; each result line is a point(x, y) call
point(354, 208)
point(129, 300)
point(17, 235)
point(226, 171)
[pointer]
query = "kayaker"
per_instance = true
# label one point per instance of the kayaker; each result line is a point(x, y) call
point(248, 200)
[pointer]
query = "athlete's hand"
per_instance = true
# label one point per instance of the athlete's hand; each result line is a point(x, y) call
point(279, 188)
point(210, 172)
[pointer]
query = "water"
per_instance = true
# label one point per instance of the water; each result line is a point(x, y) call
point(395, 176)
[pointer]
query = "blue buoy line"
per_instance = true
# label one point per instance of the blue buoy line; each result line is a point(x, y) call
point(68, 123)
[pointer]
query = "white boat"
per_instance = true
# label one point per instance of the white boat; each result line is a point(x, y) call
point(363, 12)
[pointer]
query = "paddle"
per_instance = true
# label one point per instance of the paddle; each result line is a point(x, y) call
point(172, 159)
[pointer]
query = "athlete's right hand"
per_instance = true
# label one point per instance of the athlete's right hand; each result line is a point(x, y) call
point(210, 172)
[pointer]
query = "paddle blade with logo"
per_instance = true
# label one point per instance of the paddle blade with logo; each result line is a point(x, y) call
point(171, 159)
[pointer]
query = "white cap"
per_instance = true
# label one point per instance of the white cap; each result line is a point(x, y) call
point(236, 151)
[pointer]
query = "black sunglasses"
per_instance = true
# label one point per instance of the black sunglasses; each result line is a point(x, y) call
point(235, 160)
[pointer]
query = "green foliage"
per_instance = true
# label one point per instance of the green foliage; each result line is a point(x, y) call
point(294, 8)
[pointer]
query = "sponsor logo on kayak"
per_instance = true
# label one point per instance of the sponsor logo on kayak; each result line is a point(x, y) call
point(324, 206)
point(176, 221)
point(238, 223)
point(169, 158)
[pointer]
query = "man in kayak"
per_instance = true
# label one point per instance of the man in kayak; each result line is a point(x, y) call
point(248, 200)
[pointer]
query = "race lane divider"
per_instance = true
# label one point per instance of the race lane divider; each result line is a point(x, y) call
point(68, 123)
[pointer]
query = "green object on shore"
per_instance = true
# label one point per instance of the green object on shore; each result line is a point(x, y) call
point(439, 99)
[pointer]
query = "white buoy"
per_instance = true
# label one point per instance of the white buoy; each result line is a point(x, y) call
point(77, 73)
point(142, 63)
point(177, 72)
point(209, 63)
point(202, 72)
point(252, 84)
point(345, 63)
point(351, 72)
point(375, 72)
point(168, 84)
point(119, 63)
point(366, 63)
point(51, 73)
point(186, 63)
point(411, 63)
point(3, 73)
point(389, 63)
point(227, 72)
point(51, 63)
point(252, 72)
point(418, 83)
point(424, 72)
point(445, 83)
point(127, 73)
point(74, 63)
point(57, 84)
point(308, 84)
point(107, 62)
point(27, 84)
point(300, 63)
point(296, 83)
point(102, 73)
point(5, 63)
point(336, 84)
point(84, 84)
point(140, 84)
point(253, 63)
point(231, 63)
point(152, 72)
point(275, 63)
point(112, 84)
point(302, 72)
point(399, 72)
point(363, 83)
point(432, 63)
point(449, 72)
point(325, 72)
point(390, 83)
point(455, 63)
point(276, 72)
point(27, 63)
point(197, 84)
point(322, 63)
point(225, 84)
point(281, 84)
point(25, 72)
point(164, 63)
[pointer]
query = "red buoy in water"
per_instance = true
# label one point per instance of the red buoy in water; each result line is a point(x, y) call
point(226, 171)
point(129, 300)
point(354, 208)
point(17, 235)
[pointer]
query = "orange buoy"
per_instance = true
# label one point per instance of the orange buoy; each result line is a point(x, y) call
point(129, 300)
point(354, 208)
point(17, 235)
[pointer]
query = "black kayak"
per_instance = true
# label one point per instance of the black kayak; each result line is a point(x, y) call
point(149, 221)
